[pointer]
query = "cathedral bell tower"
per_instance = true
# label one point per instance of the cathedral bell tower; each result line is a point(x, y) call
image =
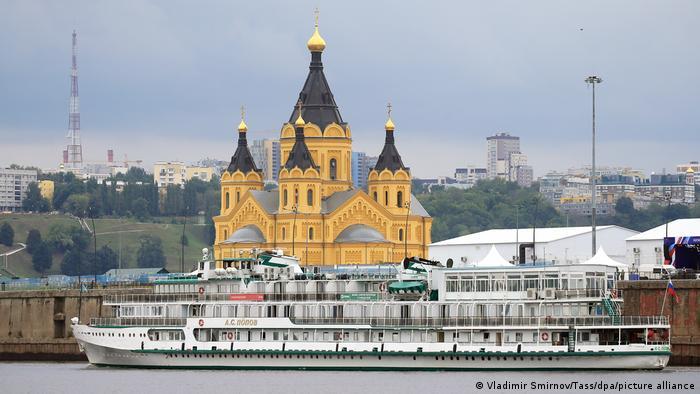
point(299, 178)
point(327, 136)
point(389, 182)
point(242, 174)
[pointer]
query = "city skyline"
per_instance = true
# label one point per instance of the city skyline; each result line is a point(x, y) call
point(508, 79)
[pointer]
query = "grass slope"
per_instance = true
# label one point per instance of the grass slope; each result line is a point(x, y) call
point(120, 234)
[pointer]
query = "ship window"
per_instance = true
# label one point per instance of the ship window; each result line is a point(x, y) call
point(467, 284)
point(333, 169)
point(518, 337)
point(514, 283)
point(482, 283)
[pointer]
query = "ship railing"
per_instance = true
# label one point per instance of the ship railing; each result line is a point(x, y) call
point(138, 321)
point(593, 321)
point(193, 298)
point(580, 293)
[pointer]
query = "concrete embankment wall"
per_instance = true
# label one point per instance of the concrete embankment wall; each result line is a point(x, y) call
point(35, 325)
point(646, 297)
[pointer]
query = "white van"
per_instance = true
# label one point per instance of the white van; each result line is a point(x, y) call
point(655, 271)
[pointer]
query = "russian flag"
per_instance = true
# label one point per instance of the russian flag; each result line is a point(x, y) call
point(672, 291)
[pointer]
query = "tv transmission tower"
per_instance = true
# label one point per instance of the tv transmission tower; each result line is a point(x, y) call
point(73, 155)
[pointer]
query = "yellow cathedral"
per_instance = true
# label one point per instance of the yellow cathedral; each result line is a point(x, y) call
point(315, 213)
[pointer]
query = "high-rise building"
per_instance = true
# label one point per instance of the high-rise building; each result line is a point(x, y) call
point(499, 148)
point(361, 166)
point(506, 161)
point(13, 187)
point(266, 154)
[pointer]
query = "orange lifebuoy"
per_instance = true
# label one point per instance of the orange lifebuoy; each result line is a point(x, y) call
point(545, 336)
point(201, 290)
point(201, 322)
point(230, 336)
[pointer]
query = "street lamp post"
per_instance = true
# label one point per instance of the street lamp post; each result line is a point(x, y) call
point(668, 207)
point(593, 80)
point(517, 236)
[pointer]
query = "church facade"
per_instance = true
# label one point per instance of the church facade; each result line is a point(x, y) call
point(315, 213)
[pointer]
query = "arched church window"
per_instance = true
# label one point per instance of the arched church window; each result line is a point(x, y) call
point(296, 197)
point(238, 196)
point(284, 233)
point(225, 234)
point(310, 197)
point(227, 204)
point(399, 199)
point(311, 233)
point(334, 169)
point(375, 196)
point(284, 197)
point(400, 234)
point(386, 198)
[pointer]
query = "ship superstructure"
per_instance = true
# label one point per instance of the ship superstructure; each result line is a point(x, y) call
point(266, 312)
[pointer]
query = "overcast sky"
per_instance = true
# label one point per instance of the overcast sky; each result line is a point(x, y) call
point(163, 80)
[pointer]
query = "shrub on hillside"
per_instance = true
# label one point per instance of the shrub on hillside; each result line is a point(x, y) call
point(41, 257)
point(7, 234)
point(33, 240)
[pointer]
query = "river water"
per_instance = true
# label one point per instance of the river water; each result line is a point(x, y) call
point(83, 378)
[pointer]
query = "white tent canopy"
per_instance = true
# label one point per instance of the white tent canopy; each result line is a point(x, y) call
point(493, 259)
point(602, 258)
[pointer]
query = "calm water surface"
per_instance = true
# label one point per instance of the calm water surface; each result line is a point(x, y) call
point(83, 378)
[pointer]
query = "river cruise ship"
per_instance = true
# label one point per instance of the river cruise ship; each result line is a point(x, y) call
point(268, 313)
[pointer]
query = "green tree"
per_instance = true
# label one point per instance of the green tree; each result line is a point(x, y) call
point(73, 263)
point(77, 204)
point(150, 253)
point(42, 259)
point(139, 208)
point(7, 234)
point(33, 201)
point(106, 260)
point(62, 238)
point(33, 240)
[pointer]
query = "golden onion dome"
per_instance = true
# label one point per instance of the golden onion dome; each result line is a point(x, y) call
point(316, 43)
point(300, 121)
point(389, 125)
point(242, 127)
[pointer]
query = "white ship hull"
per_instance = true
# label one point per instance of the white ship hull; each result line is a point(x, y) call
point(372, 360)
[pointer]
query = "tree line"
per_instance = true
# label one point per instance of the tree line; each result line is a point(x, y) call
point(79, 256)
point(138, 197)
